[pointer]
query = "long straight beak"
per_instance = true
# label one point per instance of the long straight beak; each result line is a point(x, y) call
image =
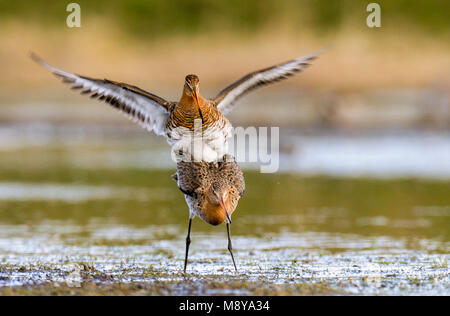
point(225, 210)
point(195, 97)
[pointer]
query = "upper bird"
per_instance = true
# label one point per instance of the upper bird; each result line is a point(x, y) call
point(178, 121)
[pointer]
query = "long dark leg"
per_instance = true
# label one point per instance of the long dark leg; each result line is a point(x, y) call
point(188, 242)
point(230, 247)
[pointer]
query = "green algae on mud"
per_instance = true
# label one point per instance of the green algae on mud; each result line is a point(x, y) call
point(193, 287)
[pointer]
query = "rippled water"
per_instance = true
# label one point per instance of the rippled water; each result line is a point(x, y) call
point(59, 240)
point(77, 209)
point(56, 252)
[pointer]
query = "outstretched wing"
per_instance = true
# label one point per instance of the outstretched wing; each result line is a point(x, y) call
point(228, 96)
point(147, 109)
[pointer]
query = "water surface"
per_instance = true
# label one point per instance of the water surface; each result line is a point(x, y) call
point(89, 213)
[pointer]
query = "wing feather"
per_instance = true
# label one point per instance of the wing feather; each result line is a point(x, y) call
point(226, 98)
point(145, 108)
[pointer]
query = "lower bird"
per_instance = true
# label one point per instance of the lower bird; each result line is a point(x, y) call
point(212, 191)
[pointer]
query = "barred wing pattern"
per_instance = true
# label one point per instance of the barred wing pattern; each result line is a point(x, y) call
point(147, 109)
point(228, 96)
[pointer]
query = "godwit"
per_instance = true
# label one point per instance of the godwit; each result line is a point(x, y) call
point(212, 191)
point(175, 120)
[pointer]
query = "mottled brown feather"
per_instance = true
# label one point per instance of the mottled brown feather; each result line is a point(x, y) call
point(196, 179)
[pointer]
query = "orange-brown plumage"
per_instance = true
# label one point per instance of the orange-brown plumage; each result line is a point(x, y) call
point(212, 210)
point(186, 111)
point(213, 214)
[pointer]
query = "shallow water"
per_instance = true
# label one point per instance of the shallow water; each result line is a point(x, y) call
point(378, 153)
point(73, 211)
point(362, 265)
point(351, 246)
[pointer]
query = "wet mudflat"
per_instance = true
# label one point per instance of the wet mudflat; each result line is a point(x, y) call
point(73, 225)
point(126, 236)
point(279, 265)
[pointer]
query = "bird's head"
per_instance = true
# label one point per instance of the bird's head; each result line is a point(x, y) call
point(192, 83)
point(218, 194)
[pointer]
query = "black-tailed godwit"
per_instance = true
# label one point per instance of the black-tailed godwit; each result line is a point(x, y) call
point(212, 191)
point(176, 120)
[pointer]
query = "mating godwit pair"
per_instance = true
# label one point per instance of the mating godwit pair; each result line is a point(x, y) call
point(212, 187)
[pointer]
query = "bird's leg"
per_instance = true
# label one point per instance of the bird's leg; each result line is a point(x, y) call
point(188, 242)
point(230, 247)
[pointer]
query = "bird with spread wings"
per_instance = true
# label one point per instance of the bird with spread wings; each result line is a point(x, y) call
point(176, 120)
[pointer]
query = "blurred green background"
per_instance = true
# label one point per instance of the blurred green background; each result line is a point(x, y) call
point(368, 74)
point(157, 18)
